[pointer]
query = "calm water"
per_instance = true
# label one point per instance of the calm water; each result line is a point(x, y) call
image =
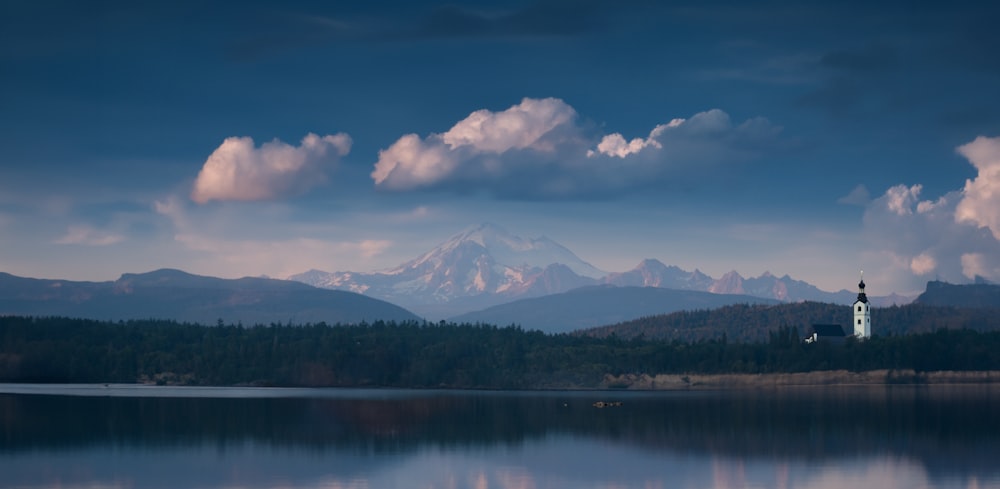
point(162, 437)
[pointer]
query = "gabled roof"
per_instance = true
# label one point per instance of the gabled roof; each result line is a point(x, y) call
point(828, 330)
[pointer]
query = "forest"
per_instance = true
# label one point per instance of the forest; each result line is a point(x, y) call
point(748, 323)
point(434, 355)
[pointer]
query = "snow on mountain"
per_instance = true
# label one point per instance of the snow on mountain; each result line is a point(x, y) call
point(730, 283)
point(653, 273)
point(484, 265)
point(504, 249)
point(483, 261)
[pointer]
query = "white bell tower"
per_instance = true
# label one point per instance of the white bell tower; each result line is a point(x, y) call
point(862, 312)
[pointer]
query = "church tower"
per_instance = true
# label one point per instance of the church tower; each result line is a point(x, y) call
point(862, 312)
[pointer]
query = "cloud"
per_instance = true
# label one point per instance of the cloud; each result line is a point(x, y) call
point(541, 19)
point(330, 24)
point(981, 203)
point(873, 57)
point(236, 241)
point(900, 199)
point(980, 265)
point(923, 264)
point(88, 236)
point(539, 149)
point(237, 170)
point(615, 144)
point(954, 237)
point(858, 196)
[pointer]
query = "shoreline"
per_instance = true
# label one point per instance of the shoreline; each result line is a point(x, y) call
point(609, 383)
point(806, 379)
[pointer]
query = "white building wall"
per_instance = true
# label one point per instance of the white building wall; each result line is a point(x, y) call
point(862, 320)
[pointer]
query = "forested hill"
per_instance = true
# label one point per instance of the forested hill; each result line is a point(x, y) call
point(754, 323)
point(980, 295)
point(420, 355)
point(180, 296)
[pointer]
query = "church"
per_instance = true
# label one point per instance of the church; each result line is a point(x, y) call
point(862, 312)
point(834, 333)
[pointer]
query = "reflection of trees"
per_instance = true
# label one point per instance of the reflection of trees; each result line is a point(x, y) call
point(940, 425)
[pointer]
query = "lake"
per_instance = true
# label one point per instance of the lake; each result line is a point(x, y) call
point(125, 436)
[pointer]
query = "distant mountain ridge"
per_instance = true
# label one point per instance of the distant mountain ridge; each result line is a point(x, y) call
point(180, 296)
point(485, 266)
point(599, 305)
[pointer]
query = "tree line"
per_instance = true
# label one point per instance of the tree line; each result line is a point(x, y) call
point(749, 323)
point(428, 355)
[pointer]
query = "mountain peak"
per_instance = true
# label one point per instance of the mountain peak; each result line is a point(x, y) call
point(509, 250)
point(650, 263)
point(483, 234)
point(730, 283)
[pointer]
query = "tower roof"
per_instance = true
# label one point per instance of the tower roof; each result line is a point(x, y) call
point(861, 289)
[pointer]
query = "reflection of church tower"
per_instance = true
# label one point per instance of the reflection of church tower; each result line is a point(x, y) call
point(862, 312)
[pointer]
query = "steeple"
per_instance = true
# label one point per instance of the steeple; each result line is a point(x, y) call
point(861, 289)
point(862, 312)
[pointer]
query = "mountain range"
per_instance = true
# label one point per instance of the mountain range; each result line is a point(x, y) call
point(600, 305)
point(485, 266)
point(482, 274)
point(180, 296)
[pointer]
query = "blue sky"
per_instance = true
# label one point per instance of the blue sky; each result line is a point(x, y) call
point(803, 138)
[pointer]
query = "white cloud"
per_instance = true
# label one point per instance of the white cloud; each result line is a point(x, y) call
point(954, 237)
point(88, 236)
point(237, 170)
point(522, 126)
point(981, 204)
point(900, 198)
point(923, 264)
point(539, 149)
point(615, 145)
point(411, 163)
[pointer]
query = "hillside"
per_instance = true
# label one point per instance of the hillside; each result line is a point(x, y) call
point(754, 323)
point(587, 307)
point(979, 295)
point(180, 296)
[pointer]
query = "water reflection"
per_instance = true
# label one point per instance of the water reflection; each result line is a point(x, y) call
point(808, 438)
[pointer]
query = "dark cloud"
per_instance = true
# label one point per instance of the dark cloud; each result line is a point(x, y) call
point(277, 31)
point(862, 80)
point(871, 58)
point(541, 19)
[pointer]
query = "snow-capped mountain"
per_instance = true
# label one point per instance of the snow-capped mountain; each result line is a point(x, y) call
point(484, 266)
point(484, 262)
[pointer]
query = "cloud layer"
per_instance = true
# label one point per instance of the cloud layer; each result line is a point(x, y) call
point(237, 170)
point(540, 149)
point(954, 238)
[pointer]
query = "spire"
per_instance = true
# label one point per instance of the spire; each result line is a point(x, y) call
point(861, 289)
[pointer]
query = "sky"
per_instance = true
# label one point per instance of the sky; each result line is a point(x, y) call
point(813, 139)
